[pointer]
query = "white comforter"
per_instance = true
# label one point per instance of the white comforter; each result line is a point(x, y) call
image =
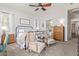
point(21, 40)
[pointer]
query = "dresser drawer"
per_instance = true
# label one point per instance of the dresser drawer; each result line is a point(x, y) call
point(59, 38)
point(57, 30)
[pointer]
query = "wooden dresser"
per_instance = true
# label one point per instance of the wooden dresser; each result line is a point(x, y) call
point(58, 33)
point(11, 38)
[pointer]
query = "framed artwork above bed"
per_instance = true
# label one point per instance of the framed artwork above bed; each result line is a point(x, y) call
point(24, 21)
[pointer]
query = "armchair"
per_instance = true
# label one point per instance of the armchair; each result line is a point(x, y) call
point(49, 39)
point(34, 45)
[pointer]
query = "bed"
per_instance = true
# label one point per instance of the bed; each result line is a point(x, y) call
point(21, 32)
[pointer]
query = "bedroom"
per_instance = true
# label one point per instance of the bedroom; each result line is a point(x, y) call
point(34, 27)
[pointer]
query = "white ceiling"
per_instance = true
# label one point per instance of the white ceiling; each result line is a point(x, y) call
point(23, 7)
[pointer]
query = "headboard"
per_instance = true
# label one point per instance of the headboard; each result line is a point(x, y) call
point(22, 29)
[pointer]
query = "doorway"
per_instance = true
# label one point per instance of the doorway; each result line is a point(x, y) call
point(73, 23)
point(74, 28)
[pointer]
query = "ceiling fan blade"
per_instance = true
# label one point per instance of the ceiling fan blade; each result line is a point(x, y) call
point(46, 4)
point(34, 5)
point(36, 9)
point(43, 9)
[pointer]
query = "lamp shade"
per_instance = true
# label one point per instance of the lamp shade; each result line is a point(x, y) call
point(4, 28)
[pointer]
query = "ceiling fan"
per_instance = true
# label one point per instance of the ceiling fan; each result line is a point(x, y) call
point(41, 5)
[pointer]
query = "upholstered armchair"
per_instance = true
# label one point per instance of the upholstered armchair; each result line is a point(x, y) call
point(34, 45)
point(49, 39)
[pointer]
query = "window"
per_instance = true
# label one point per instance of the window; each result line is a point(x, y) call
point(5, 22)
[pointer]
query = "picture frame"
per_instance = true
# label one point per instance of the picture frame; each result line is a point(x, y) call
point(24, 21)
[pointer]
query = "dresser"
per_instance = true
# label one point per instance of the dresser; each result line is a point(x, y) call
point(58, 33)
point(11, 38)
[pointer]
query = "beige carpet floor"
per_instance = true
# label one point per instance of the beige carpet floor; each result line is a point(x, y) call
point(68, 48)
